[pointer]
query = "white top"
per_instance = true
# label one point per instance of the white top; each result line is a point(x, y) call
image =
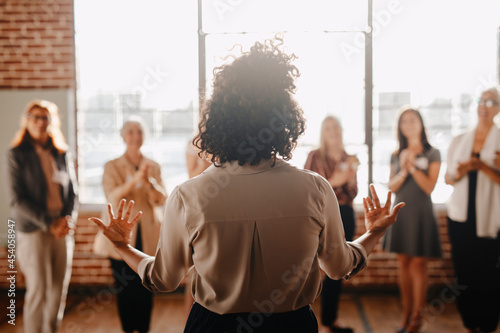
point(256, 236)
point(488, 192)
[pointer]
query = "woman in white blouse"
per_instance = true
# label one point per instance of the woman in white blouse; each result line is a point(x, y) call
point(254, 228)
point(473, 217)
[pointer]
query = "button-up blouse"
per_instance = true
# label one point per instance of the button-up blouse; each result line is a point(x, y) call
point(256, 235)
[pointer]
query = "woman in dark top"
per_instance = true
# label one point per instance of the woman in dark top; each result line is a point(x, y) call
point(44, 208)
point(414, 173)
point(333, 163)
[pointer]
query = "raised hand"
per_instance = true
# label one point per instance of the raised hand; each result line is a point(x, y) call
point(120, 228)
point(378, 218)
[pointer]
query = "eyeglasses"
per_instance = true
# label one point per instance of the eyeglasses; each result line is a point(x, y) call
point(36, 117)
point(487, 102)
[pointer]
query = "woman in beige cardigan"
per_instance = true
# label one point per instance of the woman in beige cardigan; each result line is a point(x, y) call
point(134, 177)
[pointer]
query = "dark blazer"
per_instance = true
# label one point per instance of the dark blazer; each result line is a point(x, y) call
point(28, 188)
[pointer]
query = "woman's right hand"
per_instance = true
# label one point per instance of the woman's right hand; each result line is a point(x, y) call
point(463, 168)
point(378, 218)
point(120, 228)
point(61, 227)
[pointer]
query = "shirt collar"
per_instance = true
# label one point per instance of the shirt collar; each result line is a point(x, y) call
point(234, 169)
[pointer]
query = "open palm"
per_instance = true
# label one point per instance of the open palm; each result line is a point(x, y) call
point(120, 228)
point(378, 218)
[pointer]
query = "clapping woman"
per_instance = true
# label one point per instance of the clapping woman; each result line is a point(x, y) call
point(415, 238)
point(135, 177)
point(339, 168)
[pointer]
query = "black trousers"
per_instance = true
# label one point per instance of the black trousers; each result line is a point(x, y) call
point(330, 293)
point(477, 276)
point(202, 320)
point(135, 302)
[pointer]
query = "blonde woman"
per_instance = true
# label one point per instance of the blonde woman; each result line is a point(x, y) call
point(135, 177)
point(339, 168)
point(44, 206)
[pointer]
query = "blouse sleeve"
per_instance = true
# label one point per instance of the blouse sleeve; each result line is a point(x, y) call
point(395, 162)
point(451, 163)
point(338, 258)
point(165, 271)
point(434, 156)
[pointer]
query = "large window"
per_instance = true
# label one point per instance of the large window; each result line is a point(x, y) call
point(316, 33)
point(437, 61)
point(135, 58)
point(141, 57)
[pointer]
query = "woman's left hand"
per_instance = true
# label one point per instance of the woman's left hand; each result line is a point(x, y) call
point(377, 217)
point(120, 228)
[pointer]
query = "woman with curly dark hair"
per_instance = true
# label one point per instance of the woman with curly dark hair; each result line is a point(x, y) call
point(254, 228)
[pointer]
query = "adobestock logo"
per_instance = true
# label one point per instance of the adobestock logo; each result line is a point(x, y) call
point(224, 6)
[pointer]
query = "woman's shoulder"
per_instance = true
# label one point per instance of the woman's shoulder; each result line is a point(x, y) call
point(152, 163)
point(314, 152)
point(305, 176)
point(313, 155)
point(116, 162)
point(463, 136)
point(395, 155)
point(312, 159)
point(351, 158)
point(432, 151)
point(24, 146)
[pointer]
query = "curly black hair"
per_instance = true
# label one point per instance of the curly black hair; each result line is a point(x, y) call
point(252, 114)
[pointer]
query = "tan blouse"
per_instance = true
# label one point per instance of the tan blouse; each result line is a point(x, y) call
point(256, 236)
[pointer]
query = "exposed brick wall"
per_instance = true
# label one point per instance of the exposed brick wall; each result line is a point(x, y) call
point(37, 39)
point(90, 270)
point(382, 266)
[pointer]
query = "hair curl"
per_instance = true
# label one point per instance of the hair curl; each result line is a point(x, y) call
point(252, 114)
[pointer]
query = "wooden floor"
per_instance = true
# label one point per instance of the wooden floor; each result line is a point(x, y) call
point(366, 313)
